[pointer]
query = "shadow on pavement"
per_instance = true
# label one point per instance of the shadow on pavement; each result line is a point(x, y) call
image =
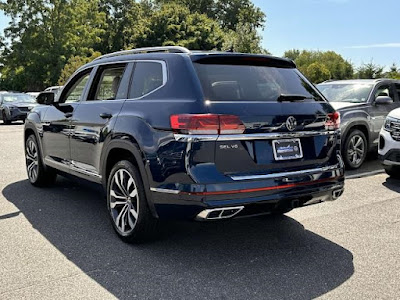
point(392, 184)
point(258, 258)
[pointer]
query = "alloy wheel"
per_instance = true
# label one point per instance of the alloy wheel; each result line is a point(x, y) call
point(32, 160)
point(124, 201)
point(356, 150)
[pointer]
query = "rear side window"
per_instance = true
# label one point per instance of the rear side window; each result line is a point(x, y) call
point(108, 81)
point(147, 77)
point(223, 82)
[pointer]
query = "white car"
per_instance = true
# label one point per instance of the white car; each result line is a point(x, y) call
point(389, 144)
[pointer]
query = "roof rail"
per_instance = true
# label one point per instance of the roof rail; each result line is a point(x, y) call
point(169, 49)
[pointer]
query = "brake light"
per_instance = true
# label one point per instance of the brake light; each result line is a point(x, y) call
point(207, 124)
point(333, 121)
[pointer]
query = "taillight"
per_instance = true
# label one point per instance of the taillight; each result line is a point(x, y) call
point(333, 121)
point(207, 124)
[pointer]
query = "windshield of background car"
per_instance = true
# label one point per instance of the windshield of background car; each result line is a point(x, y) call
point(17, 98)
point(229, 82)
point(349, 92)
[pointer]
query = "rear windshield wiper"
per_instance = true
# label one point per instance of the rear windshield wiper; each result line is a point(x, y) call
point(290, 97)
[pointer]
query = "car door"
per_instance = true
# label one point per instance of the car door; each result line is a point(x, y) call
point(56, 122)
point(378, 112)
point(95, 117)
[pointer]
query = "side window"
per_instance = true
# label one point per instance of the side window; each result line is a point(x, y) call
point(74, 91)
point(385, 90)
point(147, 77)
point(398, 91)
point(106, 83)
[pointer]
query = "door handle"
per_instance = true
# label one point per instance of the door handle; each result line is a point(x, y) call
point(68, 114)
point(105, 115)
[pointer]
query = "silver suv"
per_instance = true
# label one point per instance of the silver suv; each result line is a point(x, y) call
point(363, 105)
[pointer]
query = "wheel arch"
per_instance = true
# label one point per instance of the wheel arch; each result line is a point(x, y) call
point(126, 148)
point(360, 125)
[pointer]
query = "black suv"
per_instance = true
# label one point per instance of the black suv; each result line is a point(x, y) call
point(171, 133)
point(363, 105)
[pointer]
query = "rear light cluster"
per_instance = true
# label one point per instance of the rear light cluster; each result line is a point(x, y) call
point(207, 124)
point(333, 121)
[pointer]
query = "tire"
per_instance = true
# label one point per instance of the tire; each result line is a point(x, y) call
point(127, 204)
point(355, 149)
point(38, 173)
point(6, 121)
point(393, 171)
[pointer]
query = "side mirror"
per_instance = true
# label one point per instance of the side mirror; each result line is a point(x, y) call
point(45, 98)
point(383, 100)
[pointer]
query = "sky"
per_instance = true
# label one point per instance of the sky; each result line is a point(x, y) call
point(361, 31)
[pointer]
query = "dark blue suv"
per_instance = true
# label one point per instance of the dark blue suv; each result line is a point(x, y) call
point(173, 133)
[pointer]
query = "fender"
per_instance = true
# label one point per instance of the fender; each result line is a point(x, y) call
point(129, 144)
point(351, 125)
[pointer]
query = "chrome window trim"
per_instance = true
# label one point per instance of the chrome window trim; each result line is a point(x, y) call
point(246, 137)
point(287, 174)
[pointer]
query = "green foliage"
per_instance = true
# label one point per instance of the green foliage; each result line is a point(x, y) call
point(73, 63)
point(330, 61)
point(43, 34)
point(317, 72)
point(393, 73)
point(174, 24)
point(369, 71)
point(244, 39)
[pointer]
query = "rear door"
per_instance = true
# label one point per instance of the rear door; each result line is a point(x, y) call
point(93, 120)
point(285, 118)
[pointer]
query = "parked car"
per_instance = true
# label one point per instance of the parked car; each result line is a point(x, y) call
point(363, 106)
point(171, 133)
point(33, 94)
point(55, 89)
point(389, 144)
point(15, 106)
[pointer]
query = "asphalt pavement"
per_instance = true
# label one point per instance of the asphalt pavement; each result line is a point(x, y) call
point(57, 243)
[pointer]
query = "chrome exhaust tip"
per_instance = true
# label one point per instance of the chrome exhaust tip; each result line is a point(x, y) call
point(337, 193)
point(219, 213)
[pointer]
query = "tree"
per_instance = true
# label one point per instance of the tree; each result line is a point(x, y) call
point(73, 63)
point(173, 24)
point(238, 19)
point(43, 34)
point(369, 71)
point(244, 39)
point(317, 72)
point(338, 67)
point(393, 73)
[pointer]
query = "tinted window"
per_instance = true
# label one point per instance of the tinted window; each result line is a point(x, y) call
point(147, 77)
point(398, 90)
point(384, 90)
point(74, 92)
point(251, 83)
point(108, 83)
point(347, 92)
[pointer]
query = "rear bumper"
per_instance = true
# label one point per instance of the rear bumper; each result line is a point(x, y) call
point(258, 196)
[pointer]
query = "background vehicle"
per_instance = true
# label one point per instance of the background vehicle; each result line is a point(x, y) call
point(196, 135)
point(389, 144)
point(15, 106)
point(33, 94)
point(363, 105)
point(55, 89)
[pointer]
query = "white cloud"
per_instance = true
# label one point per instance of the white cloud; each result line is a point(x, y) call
point(386, 45)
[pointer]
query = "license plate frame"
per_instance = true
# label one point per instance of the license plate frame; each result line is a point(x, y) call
point(279, 153)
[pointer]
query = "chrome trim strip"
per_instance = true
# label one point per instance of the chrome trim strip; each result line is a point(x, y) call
point(166, 191)
point(286, 174)
point(169, 49)
point(246, 137)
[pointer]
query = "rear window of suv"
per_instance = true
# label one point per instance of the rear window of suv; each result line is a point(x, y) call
point(231, 82)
